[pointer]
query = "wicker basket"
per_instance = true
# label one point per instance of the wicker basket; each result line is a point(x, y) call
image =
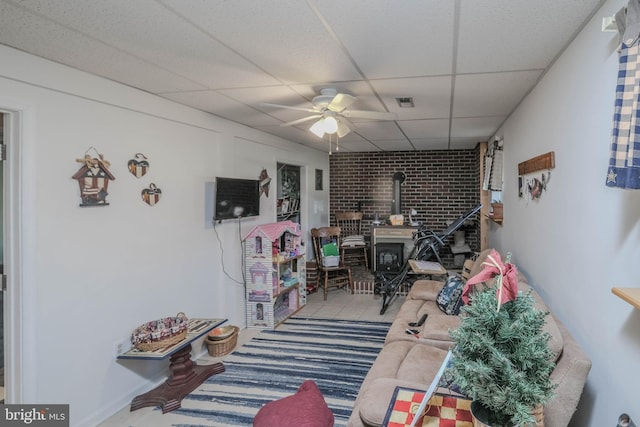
point(223, 347)
point(142, 340)
point(154, 345)
point(538, 412)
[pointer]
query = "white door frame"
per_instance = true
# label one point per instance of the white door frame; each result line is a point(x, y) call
point(13, 245)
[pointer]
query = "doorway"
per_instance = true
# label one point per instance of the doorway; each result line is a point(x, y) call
point(13, 122)
point(288, 204)
point(2, 299)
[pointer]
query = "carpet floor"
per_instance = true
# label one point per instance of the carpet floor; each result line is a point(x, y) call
point(336, 354)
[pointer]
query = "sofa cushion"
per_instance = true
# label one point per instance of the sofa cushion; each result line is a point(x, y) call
point(425, 289)
point(434, 331)
point(306, 408)
point(449, 298)
point(410, 365)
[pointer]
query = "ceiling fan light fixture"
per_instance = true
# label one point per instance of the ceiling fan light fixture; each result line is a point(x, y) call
point(318, 128)
point(331, 113)
point(330, 125)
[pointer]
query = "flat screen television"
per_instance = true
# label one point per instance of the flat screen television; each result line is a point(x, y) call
point(236, 198)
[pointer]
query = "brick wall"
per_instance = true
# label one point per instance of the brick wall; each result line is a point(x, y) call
point(440, 184)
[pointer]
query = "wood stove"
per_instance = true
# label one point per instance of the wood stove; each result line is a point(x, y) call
point(389, 257)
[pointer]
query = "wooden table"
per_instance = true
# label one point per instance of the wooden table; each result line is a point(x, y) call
point(185, 374)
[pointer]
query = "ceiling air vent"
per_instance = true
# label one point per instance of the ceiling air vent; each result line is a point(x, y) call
point(405, 102)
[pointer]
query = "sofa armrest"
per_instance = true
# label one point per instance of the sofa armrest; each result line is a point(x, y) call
point(425, 290)
point(570, 374)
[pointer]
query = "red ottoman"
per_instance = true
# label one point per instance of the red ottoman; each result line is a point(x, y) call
point(306, 408)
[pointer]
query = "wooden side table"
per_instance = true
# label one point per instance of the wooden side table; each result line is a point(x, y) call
point(185, 374)
point(430, 268)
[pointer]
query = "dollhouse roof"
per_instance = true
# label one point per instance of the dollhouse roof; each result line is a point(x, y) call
point(274, 230)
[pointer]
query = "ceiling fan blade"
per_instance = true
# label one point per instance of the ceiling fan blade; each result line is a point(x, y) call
point(288, 107)
point(302, 120)
point(340, 102)
point(372, 115)
point(343, 128)
point(348, 122)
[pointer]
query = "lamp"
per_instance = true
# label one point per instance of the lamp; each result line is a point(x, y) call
point(413, 213)
point(328, 124)
point(318, 128)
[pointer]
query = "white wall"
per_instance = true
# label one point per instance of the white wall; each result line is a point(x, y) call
point(91, 275)
point(581, 238)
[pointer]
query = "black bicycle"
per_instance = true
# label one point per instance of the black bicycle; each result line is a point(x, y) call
point(426, 245)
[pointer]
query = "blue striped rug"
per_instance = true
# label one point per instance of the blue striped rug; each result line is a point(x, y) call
point(336, 354)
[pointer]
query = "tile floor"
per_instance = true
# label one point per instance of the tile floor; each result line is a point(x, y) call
point(342, 305)
point(339, 305)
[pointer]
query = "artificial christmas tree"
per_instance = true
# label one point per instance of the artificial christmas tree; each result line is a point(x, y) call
point(502, 359)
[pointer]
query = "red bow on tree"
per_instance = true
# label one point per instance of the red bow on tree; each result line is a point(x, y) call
point(506, 282)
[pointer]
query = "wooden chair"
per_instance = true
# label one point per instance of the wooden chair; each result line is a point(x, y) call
point(338, 275)
point(354, 249)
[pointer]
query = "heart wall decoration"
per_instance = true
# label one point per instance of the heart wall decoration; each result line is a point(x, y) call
point(151, 195)
point(139, 165)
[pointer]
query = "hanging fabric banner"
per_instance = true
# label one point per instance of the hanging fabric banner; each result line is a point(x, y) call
point(624, 153)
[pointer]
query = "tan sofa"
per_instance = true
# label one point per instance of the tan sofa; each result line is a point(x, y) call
point(413, 362)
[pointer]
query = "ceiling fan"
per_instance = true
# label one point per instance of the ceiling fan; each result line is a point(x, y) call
point(331, 110)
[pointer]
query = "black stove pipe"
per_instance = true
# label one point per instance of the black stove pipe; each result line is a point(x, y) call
point(396, 204)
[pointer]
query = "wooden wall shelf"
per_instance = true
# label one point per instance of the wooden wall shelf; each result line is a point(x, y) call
point(541, 162)
point(630, 295)
point(496, 220)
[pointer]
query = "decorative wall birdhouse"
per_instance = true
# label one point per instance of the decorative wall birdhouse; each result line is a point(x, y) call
point(93, 178)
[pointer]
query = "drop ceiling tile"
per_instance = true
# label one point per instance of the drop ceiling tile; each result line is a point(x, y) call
point(479, 128)
point(464, 143)
point(283, 95)
point(507, 35)
point(432, 128)
point(255, 96)
point(222, 106)
point(430, 143)
point(293, 133)
point(413, 38)
point(358, 146)
point(431, 96)
point(32, 33)
point(286, 39)
point(378, 130)
point(491, 93)
point(185, 50)
point(394, 144)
